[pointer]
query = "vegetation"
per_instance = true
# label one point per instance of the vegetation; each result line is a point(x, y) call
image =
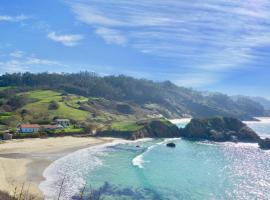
point(107, 103)
point(126, 126)
point(172, 100)
point(53, 105)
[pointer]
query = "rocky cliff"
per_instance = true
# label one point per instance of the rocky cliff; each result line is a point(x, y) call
point(219, 129)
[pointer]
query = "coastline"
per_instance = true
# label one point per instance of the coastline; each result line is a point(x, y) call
point(22, 162)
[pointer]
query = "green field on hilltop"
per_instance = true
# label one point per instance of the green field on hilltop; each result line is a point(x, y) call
point(68, 106)
point(126, 126)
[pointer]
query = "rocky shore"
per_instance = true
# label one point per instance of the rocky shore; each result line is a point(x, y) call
point(217, 129)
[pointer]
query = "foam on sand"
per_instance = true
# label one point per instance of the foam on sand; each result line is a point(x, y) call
point(68, 172)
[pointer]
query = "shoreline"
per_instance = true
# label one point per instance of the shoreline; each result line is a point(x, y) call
point(22, 162)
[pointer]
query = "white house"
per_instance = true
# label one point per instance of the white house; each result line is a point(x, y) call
point(63, 122)
point(29, 128)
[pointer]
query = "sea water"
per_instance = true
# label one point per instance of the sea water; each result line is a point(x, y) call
point(147, 169)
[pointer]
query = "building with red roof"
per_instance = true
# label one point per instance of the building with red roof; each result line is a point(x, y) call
point(29, 128)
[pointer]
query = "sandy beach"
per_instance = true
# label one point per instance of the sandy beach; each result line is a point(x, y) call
point(22, 162)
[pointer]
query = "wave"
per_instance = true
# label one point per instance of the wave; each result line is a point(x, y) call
point(179, 121)
point(138, 161)
point(232, 144)
point(261, 120)
point(67, 172)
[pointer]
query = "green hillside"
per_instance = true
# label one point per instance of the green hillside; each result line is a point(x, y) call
point(112, 102)
point(97, 112)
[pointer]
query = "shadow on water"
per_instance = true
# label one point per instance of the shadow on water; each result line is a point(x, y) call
point(113, 192)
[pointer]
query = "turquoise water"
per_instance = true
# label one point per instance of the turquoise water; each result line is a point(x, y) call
point(192, 170)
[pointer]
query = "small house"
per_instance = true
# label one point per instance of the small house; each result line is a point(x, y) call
point(63, 122)
point(29, 128)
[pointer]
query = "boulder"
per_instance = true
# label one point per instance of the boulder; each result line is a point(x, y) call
point(171, 144)
point(264, 143)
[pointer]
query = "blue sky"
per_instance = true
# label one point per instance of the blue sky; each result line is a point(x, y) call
point(205, 44)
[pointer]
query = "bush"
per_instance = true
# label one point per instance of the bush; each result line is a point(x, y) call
point(26, 135)
point(16, 102)
point(53, 105)
point(25, 112)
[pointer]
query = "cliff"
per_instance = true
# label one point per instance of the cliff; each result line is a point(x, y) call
point(219, 129)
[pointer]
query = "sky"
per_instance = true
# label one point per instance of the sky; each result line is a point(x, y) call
point(208, 45)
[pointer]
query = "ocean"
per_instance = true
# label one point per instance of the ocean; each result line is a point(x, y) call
point(147, 169)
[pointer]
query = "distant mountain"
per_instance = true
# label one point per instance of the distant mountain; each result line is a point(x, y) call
point(147, 96)
point(263, 101)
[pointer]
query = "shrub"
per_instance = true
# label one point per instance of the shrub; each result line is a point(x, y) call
point(53, 105)
point(16, 102)
point(24, 112)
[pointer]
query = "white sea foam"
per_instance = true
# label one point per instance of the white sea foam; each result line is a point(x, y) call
point(180, 121)
point(69, 171)
point(138, 161)
point(262, 120)
point(232, 144)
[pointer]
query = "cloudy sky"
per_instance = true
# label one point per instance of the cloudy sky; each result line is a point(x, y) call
point(211, 45)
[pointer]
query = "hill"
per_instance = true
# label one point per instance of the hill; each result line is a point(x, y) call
point(116, 101)
point(263, 101)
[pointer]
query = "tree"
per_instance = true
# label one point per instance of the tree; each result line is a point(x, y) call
point(53, 105)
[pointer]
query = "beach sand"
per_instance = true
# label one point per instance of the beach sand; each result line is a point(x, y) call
point(22, 162)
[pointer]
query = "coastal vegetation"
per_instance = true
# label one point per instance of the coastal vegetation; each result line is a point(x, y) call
point(114, 105)
point(162, 97)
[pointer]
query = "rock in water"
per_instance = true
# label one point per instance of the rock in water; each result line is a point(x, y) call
point(264, 143)
point(172, 145)
point(219, 129)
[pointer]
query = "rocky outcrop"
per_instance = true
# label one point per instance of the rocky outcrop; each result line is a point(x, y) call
point(172, 145)
point(150, 129)
point(219, 129)
point(264, 143)
point(156, 129)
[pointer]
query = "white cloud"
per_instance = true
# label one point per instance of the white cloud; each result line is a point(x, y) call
point(17, 54)
point(212, 36)
point(195, 79)
point(111, 36)
point(67, 39)
point(17, 18)
point(19, 61)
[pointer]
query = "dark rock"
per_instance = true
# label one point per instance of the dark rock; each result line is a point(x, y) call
point(157, 129)
point(219, 129)
point(172, 145)
point(264, 143)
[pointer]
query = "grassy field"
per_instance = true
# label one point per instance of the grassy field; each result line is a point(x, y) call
point(4, 88)
point(126, 126)
point(39, 109)
point(100, 113)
